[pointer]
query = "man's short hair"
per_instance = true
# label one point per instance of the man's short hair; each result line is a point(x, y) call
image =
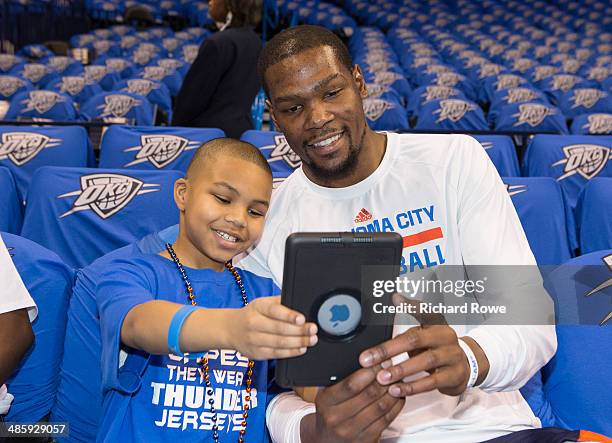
point(227, 147)
point(244, 12)
point(294, 41)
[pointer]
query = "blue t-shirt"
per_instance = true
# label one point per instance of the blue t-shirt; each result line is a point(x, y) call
point(164, 397)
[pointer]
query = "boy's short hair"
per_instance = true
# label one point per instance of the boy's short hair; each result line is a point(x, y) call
point(230, 147)
point(294, 41)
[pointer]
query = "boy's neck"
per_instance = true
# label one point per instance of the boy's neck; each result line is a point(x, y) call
point(191, 257)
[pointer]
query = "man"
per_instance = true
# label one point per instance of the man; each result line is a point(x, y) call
point(443, 195)
point(17, 310)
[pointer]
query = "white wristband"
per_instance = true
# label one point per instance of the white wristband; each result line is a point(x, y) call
point(472, 362)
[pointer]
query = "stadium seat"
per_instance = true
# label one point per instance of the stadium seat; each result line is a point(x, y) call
point(548, 224)
point(79, 395)
point(572, 160)
point(136, 147)
point(11, 203)
point(49, 281)
point(273, 145)
point(530, 117)
point(8, 62)
point(102, 75)
point(24, 149)
point(170, 77)
point(592, 124)
point(64, 65)
point(36, 73)
point(451, 114)
point(156, 92)
point(79, 88)
point(425, 94)
point(502, 153)
point(577, 380)
point(119, 107)
point(82, 213)
point(585, 100)
point(594, 215)
point(385, 114)
point(11, 85)
point(42, 106)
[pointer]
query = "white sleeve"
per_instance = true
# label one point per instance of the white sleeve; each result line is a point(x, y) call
point(284, 416)
point(13, 294)
point(491, 234)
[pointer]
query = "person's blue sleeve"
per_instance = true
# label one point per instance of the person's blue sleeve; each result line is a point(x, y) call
point(123, 285)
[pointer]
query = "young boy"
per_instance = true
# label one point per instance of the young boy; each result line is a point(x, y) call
point(151, 392)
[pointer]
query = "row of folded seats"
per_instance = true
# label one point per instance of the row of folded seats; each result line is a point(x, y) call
point(131, 77)
point(82, 209)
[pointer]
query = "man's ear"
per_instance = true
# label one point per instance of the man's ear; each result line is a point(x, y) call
point(360, 80)
point(180, 193)
point(271, 111)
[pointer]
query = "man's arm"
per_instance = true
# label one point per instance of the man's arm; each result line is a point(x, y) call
point(16, 337)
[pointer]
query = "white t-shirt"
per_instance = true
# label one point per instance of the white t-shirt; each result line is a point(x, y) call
point(444, 196)
point(13, 296)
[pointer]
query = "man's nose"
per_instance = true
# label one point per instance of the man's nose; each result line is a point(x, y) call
point(319, 115)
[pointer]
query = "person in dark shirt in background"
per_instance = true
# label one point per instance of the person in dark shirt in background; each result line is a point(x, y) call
point(222, 83)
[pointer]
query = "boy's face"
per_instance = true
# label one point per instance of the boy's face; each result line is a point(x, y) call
point(223, 208)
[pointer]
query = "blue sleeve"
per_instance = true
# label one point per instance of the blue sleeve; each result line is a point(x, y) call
point(123, 285)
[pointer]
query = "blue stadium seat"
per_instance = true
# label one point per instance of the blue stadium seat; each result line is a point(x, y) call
point(119, 107)
point(153, 147)
point(11, 85)
point(585, 101)
point(121, 66)
point(530, 117)
point(101, 75)
point(8, 62)
point(594, 215)
point(571, 160)
point(42, 106)
point(170, 77)
point(385, 114)
point(49, 281)
point(34, 51)
point(24, 149)
point(79, 395)
point(576, 381)
point(592, 124)
point(451, 114)
point(502, 153)
point(81, 213)
point(424, 94)
point(156, 92)
point(77, 87)
point(548, 224)
point(273, 145)
point(36, 73)
point(64, 65)
point(11, 203)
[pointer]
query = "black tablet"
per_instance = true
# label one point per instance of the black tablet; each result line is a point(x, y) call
point(329, 278)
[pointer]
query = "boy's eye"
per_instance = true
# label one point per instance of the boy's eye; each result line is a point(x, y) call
point(255, 213)
point(222, 199)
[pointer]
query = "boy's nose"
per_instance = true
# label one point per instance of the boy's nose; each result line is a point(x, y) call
point(236, 218)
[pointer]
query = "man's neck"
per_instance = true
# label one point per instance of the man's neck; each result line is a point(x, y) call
point(372, 152)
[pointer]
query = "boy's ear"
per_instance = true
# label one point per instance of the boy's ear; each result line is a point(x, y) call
point(180, 193)
point(271, 110)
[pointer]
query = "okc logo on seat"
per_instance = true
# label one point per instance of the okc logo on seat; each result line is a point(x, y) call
point(160, 149)
point(422, 61)
point(170, 44)
point(21, 147)
point(10, 84)
point(506, 81)
point(72, 85)
point(142, 57)
point(599, 124)
point(438, 92)
point(281, 151)
point(128, 41)
point(571, 65)
point(448, 79)
point(587, 97)
point(190, 52)
point(106, 194)
point(155, 72)
point(518, 95)
point(475, 61)
point(606, 284)
point(95, 73)
point(586, 160)
point(7, 61)
point(102, 46)
point(376, 90)
point(515, 189)
point(378, 66)
point(374, 108)
point(170, 63)
point(59, 63)
point(140, 86)
point(523, 64)
point(117, 105)
point(86, 39)
point(437, 69)
point(41, 101)
point(564, 82)
point(542, 72)
point(532, 114)
point(598, 73)
point(34, 72)
point(542, 51)
point(453, 110)
point(386, 78)
point(489, 69)
point(116, 64)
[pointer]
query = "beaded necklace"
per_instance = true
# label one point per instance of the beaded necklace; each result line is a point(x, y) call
point(204, 360)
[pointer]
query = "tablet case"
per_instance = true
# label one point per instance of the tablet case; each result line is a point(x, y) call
point(323, 277)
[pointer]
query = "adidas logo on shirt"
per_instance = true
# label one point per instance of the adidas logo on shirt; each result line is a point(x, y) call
point(363, 216)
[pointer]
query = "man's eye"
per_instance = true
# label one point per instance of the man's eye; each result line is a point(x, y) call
point(293, 109)
point(333, 93)
point(222, 199)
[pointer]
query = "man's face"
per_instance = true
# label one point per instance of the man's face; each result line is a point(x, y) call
point(316, 102)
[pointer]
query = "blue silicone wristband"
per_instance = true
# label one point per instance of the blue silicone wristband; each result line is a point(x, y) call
point(174, 331)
